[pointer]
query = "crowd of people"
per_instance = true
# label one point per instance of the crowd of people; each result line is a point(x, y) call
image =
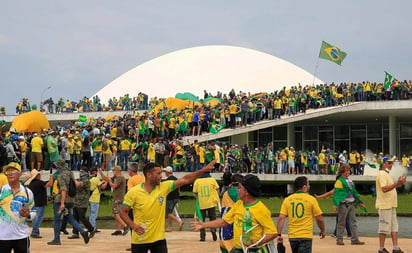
point(152, 141)
point(249, 107)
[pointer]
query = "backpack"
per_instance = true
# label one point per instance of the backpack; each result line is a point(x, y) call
point(72, 188)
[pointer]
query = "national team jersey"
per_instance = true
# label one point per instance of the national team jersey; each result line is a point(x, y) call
point(260, 215)
point(13, 226)
point(300, 208)
point(206, 190)
point(149, 209)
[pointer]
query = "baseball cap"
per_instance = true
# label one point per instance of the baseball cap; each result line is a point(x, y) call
point(387, 159)
point(168, 169)
point(12, 165)
point(252, 185)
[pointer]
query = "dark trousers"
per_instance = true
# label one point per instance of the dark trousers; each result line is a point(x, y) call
point(155, 247)
point(211, 213)
point(18, 246)
point(301, 245)
point(79, 215)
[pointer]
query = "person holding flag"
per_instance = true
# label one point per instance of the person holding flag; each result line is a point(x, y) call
point(206, 191)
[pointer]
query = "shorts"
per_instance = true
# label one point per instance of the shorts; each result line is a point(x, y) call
point(170, 205)
point(291, 164)
point(107, 157)
point(388, 221)
point(36, 157)
point(116, 207)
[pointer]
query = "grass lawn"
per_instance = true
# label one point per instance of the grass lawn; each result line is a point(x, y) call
point(187, 204)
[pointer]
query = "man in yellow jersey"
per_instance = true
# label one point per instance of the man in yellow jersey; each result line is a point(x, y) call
point(125, 147)
point(249, 190)
point(148, 201)
point(36, 155)
point(300, 208)
point(206, 190)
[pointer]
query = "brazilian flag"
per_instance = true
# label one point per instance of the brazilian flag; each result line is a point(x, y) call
point(331, 53)
point(198, 213)
point(82, 118)
point(215, 128)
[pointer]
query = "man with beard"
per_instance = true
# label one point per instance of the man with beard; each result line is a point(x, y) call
point(148, 202)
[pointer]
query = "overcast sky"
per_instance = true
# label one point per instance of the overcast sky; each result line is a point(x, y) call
point(77, 47)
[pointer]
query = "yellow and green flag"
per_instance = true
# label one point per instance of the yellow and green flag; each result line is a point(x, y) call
point(331, 53)
point(198, 213)
point(388, 80)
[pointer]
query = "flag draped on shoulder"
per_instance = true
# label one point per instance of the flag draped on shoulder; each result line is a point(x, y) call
point(331, 53)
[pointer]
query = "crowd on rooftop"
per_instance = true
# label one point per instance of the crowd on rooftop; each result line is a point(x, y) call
point(142, 131)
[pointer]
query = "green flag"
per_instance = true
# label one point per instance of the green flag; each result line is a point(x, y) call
point(82, 118)
point(215, 128)
point(331, 53)
point(198, 213)
point(388, 80)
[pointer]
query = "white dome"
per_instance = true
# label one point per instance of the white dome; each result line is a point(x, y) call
point(210, 68)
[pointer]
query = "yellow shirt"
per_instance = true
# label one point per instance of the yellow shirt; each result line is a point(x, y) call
point(201, 155)
point(108, 143)
point(206, 190)
point(36, 144)
point(95, 183)
point(3, 179)
point(149, 209)
point(385, 200)
point(260, 215)
point(113, 132)
point(300, 208)
point(23, 147)
point(135, 180)
point(125, 145)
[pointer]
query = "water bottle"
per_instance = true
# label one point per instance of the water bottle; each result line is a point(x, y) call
point(142, 236)
point(247, 224)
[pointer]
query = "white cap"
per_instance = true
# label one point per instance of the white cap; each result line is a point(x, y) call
point(168, 169)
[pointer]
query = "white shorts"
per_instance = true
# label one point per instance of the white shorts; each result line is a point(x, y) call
point(388, 221)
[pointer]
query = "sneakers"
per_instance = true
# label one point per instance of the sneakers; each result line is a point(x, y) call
point(64, 231)
point(383, 251)
point(126, 230)
point(53, 243)
point(339, 243)
point(214, 236)
point(35, 236)
point(397, 251)
point(92, 233)
point(357, 243)
point(117, 232)
point(73, 236)
point(85, 236)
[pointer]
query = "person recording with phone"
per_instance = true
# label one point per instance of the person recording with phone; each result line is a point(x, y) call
point(16, 203)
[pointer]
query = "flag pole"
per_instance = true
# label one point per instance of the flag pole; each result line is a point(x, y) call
point(316, 69)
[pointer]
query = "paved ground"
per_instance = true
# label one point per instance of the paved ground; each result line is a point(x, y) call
point(188, 242)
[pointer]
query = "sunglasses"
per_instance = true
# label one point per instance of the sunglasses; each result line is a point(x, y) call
point(11, 172)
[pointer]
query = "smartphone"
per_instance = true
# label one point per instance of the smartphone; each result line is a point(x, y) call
point(25, 206)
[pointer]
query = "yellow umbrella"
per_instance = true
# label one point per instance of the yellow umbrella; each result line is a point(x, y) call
point(32, 121)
